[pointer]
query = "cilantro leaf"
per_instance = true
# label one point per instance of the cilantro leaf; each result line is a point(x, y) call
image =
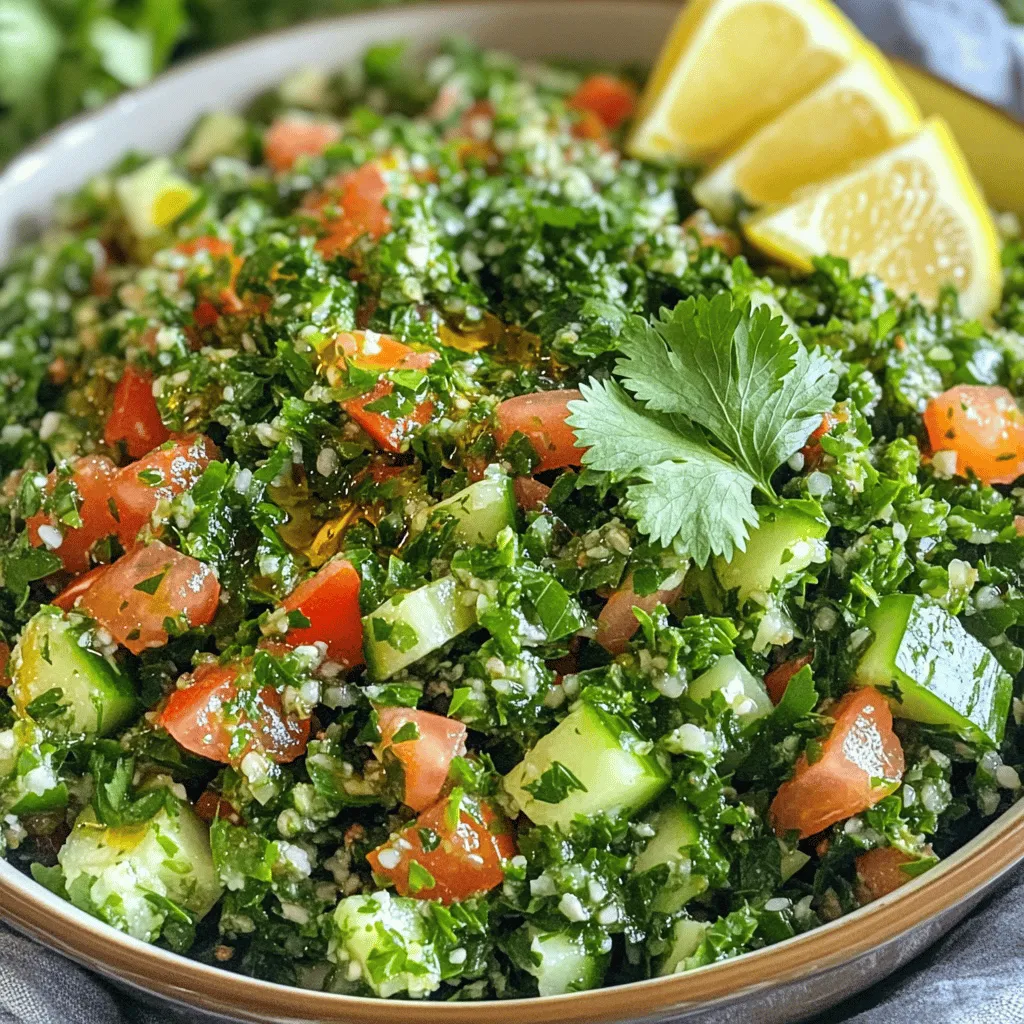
point(723, 396)
point(734, 371)
point(685, 492)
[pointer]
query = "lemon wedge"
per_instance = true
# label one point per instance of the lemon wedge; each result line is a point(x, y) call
point(857, 113)
point(912, 215)
point(731, 65)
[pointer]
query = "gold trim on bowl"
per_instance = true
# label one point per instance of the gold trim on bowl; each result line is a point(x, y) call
point(782, 982)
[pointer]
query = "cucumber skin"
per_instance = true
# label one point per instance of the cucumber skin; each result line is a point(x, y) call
point(481, 510)
point(437, 613)
point(757, 568)
point(100, 697)
point(600, 749)
point(945, 676)
point(687, 936)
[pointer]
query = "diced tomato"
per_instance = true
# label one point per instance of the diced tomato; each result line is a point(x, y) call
point(984, 426)
point(135, 419)
point(861, 762)
point(164, 473)
point(69, 596)
point(616, 624)
point(290, 138)
point(93, 477)
point(212, 805)
point(530, 494)
point(541, 417)
point(778, 678)
point(349, 207)
point(460, 861)
point(590, 126)
point(425, 756)
point(880, 872)
point(5, 659)
point(381, 352)
point(204, 718)
point(330, 600)
point(137, 595)
point(207, 311)
point(611, 99)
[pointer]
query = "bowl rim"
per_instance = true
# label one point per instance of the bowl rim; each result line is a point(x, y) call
point(34, 910)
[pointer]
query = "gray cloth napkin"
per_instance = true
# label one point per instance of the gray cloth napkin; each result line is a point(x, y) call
point(976, 975)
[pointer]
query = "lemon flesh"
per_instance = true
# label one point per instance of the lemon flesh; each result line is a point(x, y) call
point(856, 114)
point(729, 66)
point(912, 215)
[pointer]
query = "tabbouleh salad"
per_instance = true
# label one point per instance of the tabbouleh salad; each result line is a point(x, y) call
point(437, 563)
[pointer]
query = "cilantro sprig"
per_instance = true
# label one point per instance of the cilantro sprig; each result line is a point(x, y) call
point(710, 399)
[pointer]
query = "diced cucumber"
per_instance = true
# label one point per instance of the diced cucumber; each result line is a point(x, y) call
point(410, 626)
point(743, 692)
point(481, 510)
point(675, 830)
point(219, 133)
point(942, 674)
point(590, 762)
point(153, 197)
point(686, 939)
point(791, 862)
point(785, 541)
point(29, 779)
point(114, 872)
point(50, 665)
point(562, 963)
point(384, 940)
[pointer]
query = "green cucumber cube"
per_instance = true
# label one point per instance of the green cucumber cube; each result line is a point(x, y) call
point(940, 673)
point(686, 939)
point(785, 541)
point(52, 663)
point(592, 761)
point(384, 942)
point(29, 778)
point(675, 830)
point(112, 872)
point(743, 692)
point(563, 964)
point(410, 626)
point(481, 510)
point(219, 133)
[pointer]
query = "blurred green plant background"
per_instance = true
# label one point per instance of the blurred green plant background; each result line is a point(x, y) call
point(58, 57)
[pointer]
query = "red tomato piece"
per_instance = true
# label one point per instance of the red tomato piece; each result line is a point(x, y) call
point(461, 861)
point(880, 872)
point(541, 417)
point(212, 805)
point(616, 623)
point(530, 494)
point(349, 207)
point(426, 756)
point(135, 419)
point(861, 750)
point(611, 99)
point(984, 426)
point(381, 352)
point(202, 717)
point(5, 657)
point(93, 476)
point(208, 312)
point(68, 597)
point(162, 474)
point(290, 138)
point(330, 600)
point(778, 678)
point(133, 598)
